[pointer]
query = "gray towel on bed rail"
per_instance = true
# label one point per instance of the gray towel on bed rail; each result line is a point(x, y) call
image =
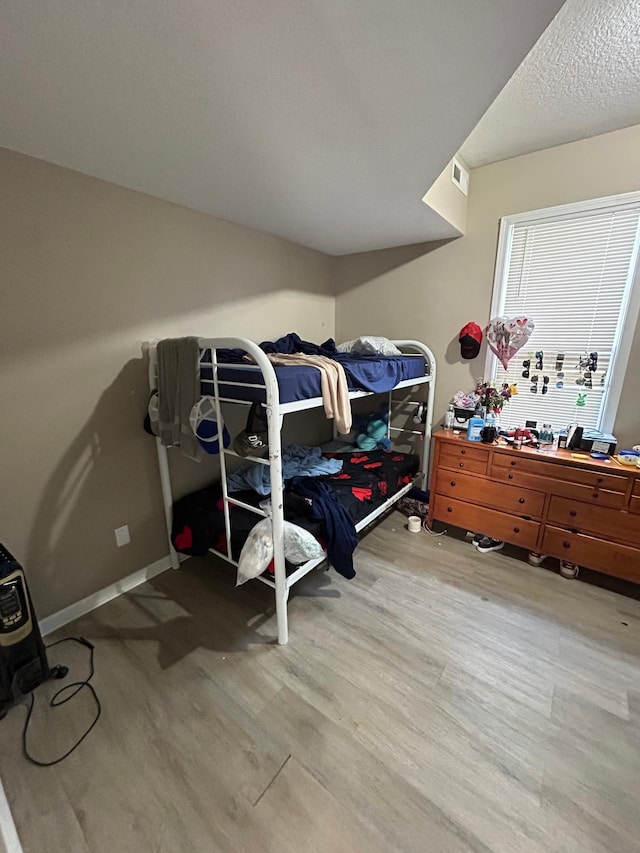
point(178, 390)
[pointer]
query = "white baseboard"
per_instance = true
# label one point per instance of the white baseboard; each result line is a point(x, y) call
point(96, 599)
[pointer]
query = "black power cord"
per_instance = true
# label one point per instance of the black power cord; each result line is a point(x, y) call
point(55, 702)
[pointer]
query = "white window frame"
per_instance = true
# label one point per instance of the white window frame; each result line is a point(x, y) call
point(630, 303)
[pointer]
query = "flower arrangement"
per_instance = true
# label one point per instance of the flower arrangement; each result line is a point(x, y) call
point(491, 397)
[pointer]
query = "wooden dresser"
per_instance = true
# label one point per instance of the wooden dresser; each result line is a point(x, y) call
point(581, 510)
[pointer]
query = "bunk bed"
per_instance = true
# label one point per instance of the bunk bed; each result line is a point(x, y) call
point(252, 379)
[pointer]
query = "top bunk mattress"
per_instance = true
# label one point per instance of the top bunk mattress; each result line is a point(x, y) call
point(364, 373)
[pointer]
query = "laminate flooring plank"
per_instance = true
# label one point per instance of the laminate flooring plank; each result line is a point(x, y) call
point(633, 701)
point(372, 634)
point(227, 736)
point(571, 832)
point(197, 637)
point(596, 774)
point(61, 831)
point(468, 780)
point(583, 814)
point(155, 770)
point(320, 682)
point(297, 813)
point(441, 701)
point(580, 724)
point(389, 807)
point(510, 732)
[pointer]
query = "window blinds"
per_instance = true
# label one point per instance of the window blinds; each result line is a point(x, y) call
point(571, 276)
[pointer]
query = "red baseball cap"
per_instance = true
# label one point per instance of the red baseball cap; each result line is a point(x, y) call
point(470, 338)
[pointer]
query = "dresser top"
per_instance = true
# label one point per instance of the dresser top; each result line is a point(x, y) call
point(575, 458)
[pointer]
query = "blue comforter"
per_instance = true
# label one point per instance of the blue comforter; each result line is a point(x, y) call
point(368, 372)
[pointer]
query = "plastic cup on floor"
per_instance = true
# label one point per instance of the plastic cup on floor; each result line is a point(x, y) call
point(414, 523)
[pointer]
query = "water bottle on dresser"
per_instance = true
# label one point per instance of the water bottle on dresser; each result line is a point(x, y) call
point(475, 426)
point(449, 418)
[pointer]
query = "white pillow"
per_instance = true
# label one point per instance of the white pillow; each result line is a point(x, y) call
point(370, 345)
point(257, 552)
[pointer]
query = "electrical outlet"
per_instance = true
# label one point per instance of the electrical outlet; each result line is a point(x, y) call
point(122, 535)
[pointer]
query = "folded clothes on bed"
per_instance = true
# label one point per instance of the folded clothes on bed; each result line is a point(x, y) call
point(297, 461)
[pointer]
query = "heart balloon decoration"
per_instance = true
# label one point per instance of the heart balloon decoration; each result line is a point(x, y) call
point(506, 335)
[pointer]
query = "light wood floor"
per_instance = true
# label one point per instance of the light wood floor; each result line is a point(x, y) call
point(442, 701)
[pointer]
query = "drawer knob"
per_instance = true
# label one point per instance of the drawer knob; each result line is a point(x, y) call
point(516, 530)
point(511, 476)
point(566, 544)
point(463, 452)
point(599, 480)
point(453, 482)
point(513, 461)
point(521, 500)
point(461, 464)
point(573, 513)
point(596, 495)
point(449, 509)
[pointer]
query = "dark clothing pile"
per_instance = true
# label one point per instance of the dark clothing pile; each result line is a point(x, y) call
point(337, 526)
point(328, 507)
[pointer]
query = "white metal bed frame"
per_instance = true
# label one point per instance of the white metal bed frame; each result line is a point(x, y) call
point(275, 412)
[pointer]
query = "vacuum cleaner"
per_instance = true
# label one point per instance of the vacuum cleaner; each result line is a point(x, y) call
point(23, 657)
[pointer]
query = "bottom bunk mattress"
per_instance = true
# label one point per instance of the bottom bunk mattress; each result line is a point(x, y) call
point(365, 481)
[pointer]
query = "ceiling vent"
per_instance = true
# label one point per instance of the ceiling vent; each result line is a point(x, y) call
point(460, 176)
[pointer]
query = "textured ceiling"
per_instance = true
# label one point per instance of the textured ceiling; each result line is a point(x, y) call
point(323, 121)
point(582, 78)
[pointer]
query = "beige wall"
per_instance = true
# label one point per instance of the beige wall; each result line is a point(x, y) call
point(430, 291)
point(89, 271)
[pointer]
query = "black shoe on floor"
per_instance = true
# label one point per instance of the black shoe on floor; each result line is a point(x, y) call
point(477, 539)
point(488, 544)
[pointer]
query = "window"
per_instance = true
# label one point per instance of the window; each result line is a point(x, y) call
point(571, 269)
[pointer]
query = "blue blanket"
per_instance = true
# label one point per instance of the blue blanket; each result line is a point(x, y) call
point(297, 461)
point(376, 373)
point(368, 372)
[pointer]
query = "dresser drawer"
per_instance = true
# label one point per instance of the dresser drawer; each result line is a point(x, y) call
point(636, 488)
point(554, 471)
point(634, 506)
point(490, 494)
point(622, 561)
point(587, 518)
point(468, 458)
point(593, 495)
point(499, 525)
